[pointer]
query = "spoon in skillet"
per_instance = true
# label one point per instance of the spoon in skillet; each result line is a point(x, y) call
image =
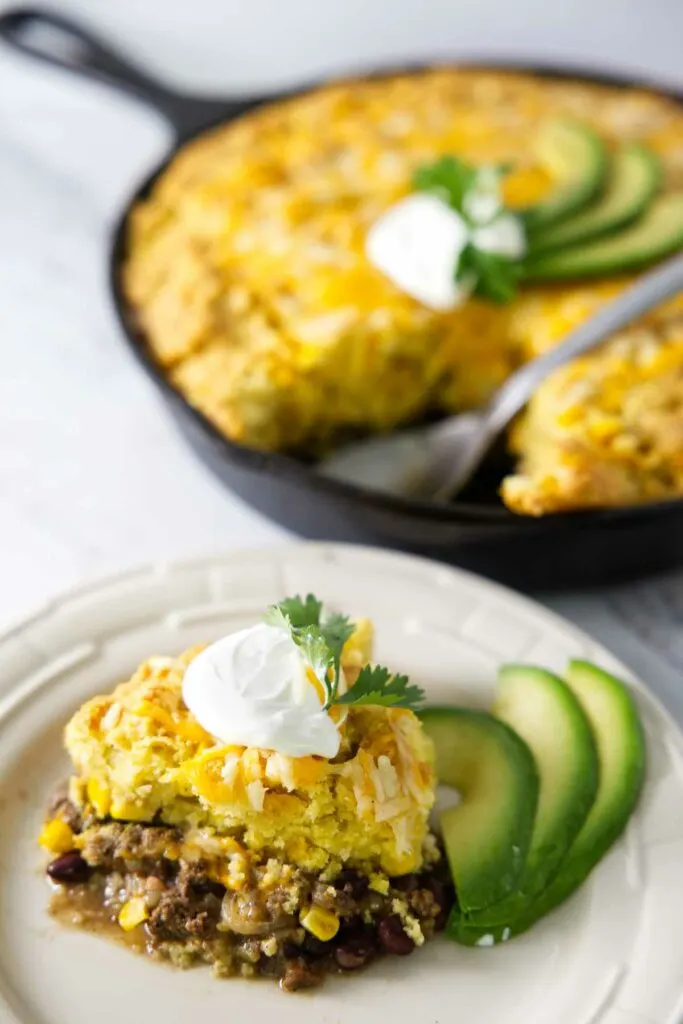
point(435, 462)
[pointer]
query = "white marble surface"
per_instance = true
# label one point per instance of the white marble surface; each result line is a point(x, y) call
point(92, 477)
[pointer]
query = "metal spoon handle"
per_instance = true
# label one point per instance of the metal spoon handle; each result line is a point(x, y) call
point(649, 291)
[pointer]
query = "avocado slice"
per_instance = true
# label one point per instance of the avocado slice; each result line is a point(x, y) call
point(576, 156)
point(542, 709)
point(657, 233)
point(634, 179)
point(613, 715)
point(487, 834)
point(620, 741)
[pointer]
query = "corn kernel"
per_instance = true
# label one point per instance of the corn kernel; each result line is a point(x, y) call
point(358, 648)
point(321, 923)
point(379, 883)
point(603, 428)
point(526, 186)
point(56, 836)
point(133, 913)
point(570, 416)
point(307, 770)
point(98, 796)
point(624, 444)
point(126, 810)
point(230, 845)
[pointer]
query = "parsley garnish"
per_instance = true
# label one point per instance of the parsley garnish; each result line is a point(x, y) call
point(493, 275)
point(321, 640)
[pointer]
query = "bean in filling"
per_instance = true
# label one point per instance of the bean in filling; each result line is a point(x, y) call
point(122, 883)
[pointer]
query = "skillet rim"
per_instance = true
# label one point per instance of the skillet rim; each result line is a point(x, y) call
point(291, 469)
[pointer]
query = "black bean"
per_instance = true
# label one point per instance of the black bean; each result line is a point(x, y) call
point(206, 887)
point(436, 888)
point(167, 870)
point(441, 919)
point(314, 947)
point(393, 938)
point(351, 927)
point(405, 883)
point(354, 952)
point(70, 868)
point(443, 897)
point(290, 949)
point(352, 883)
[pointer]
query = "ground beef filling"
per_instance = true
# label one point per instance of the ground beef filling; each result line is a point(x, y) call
point(190, 918)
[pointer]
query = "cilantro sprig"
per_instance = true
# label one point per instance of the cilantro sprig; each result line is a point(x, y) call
point(496, 276)
point(321, 640)
point(376, 685)
point(449, 177)
point(474, 193)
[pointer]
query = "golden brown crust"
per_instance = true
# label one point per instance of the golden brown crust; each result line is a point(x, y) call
point(247, 268)
point(140, 755)
point(608, 429)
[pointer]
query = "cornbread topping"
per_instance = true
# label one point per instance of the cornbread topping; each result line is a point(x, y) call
point(254, 689)
point(248, 272)
point(255, 859)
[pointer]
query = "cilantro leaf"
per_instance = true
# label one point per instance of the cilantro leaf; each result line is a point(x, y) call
point(474, 194)
point(495, 276)
point(376, 685)
point(301, 612)
point(275, 616)
point(313, 645)
point(337, 629)
point(450, 178)
point(321, 644)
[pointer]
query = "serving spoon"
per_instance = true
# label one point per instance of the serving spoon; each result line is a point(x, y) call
point(435, 462)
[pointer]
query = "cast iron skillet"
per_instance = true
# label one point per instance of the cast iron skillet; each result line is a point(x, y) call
point(574, 549)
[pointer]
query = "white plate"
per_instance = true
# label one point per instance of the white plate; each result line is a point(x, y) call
point(612, 955)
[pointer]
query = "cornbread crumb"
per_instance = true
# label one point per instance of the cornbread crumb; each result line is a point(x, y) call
point(412, 928)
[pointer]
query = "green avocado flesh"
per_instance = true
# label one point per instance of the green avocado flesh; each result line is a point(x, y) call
point(542, 709)
point(620, 742)
point(487, 835)
point(634, 179)
point(656, 234)
point(577, 158)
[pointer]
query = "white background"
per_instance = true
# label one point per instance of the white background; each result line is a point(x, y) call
point(92, 477)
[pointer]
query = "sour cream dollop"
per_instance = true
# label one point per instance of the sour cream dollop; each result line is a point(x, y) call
point(253, 689)
point(417, 243)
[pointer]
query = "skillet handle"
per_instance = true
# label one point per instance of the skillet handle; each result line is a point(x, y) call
point(63, 43)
